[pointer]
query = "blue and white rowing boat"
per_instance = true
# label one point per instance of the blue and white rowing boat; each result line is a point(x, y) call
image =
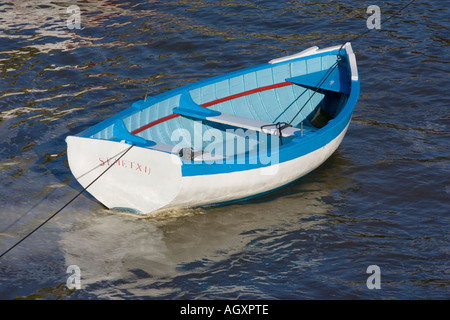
point(222, 139)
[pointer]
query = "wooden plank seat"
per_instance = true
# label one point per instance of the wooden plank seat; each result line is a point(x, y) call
point(122, 134)
point(189, 108)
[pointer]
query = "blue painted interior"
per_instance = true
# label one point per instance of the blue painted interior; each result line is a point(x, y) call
point(337, 98)
point(336, 80)
point(120, 133)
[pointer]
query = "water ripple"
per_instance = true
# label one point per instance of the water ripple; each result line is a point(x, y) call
point(382, 198)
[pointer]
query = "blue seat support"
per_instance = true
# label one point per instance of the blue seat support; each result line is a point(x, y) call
point(120, 132)
point(189, 108)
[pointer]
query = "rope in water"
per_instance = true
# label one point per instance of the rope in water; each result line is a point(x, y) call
point(129, 148)
point(63, 207)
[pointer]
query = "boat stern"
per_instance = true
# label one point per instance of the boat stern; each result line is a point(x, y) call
point(123, 176)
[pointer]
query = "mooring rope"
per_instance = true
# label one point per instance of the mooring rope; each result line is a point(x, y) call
point(384, 21)
point(330, 70)
point(63, 207)
point(129, 148)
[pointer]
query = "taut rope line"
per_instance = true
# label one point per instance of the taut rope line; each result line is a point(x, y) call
point(62, 208)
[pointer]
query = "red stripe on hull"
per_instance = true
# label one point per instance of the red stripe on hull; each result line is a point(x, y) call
point(154, 123)
point(214, 102)
point(246, 93)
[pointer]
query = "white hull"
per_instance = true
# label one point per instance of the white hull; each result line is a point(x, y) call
point(322, 84)
point(145, 180)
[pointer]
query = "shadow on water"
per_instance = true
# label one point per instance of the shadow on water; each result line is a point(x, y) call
point(124, 250)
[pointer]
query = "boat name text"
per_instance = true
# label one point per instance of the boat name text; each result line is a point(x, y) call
point(132, 165)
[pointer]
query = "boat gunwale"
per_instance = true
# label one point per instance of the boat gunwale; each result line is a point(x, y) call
point(327, 133)
point(138, 105)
